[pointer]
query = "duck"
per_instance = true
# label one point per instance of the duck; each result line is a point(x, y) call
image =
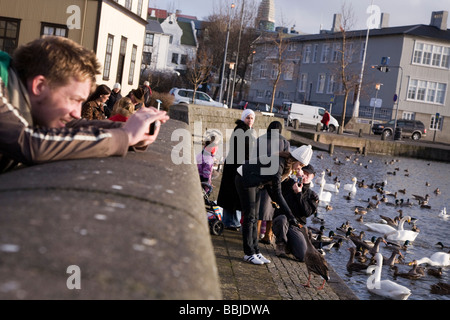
point(393, 245)
point(324, 196)
point(351, 186)
point(435, 272)
point(411, 274)
point(440, 288)
point(440, 244)
point(349, 196)
point(315, 262)
point(392, 259)
point(400, 234)
point(390, 221)
point(437, 259)
point(437, 191)
point(385, 288)
point(361, 211)
point(351, 264)
point(328, 207)
point(376, 247)
point(372, 205)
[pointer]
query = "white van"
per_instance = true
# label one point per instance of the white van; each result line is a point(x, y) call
point(304, 114)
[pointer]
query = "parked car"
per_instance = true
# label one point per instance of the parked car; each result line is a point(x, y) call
point(410, 128)
point(185, 96)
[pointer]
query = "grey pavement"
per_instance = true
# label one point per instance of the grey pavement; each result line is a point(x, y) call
point(282, 279)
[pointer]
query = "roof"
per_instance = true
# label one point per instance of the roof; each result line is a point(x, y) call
point(153, 26)
point(419, 30)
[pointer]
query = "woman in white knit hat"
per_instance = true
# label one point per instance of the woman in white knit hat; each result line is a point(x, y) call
point(253, 176)
point(227, 197)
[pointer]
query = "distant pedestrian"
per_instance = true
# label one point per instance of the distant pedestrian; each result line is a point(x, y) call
point(115, 96)
point(325, 121)
point(147, 94)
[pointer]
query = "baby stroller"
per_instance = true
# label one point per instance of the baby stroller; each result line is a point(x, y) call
point(213, 211)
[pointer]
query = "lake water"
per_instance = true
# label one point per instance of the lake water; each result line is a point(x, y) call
point(373, 169)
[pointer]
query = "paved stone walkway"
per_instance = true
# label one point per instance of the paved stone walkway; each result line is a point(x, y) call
point(282, 279)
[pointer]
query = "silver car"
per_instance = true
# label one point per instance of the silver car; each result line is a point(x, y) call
point(201, 98)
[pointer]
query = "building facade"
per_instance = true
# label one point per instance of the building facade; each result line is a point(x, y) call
point(417, 58)
point(114, 29)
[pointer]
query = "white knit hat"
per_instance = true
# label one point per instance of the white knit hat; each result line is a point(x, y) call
point(303, 154)
point(246, 112)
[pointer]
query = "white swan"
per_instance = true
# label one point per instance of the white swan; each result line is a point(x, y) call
point(333, 187)
point(385, 228)
point(437, 259)
point(385, 288)
point(320, 181)
point(351, 186)
point(443, 213)
point(400, 234)
point(323, 195)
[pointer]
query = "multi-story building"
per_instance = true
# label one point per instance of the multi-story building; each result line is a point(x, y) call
point(417, 58)
point(114, 29)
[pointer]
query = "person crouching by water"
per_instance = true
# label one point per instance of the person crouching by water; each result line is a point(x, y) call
point(255, 175)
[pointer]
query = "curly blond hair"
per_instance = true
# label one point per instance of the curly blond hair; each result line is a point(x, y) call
point(124, 106)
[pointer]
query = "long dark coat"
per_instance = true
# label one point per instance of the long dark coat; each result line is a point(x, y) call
point(228, 197)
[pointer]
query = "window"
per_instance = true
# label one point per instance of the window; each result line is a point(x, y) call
point(51, 29)
point(431, 55)
point(121, 62)
point(426, 91)
point(132, 64)
point(348, 54)
point(325, 53)
point(331, 84)
point(303, 82)
point(9, 34)
point(361, 53)
point(336, 51)
point(292, 47)
point(435, 125)
point(259, 94)
point(263, 71)
point(139, 7)
point(315, 53)
point(128, 4)
point(149, 37)
point(175, 58)
point(108, 56)
point(307, 54)
point(183, 59)
point(289, 72)
point(320, 83)
point(408, 115)
point(274, 73)
point(146, 58)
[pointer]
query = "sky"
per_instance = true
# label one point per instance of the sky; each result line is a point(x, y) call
point(309, 15)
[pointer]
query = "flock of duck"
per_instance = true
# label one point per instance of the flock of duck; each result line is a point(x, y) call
point(368, 256)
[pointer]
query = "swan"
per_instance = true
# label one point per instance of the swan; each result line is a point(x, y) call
point(437, 259)
point(385, 288)
point(324, 196)
point(387, 229)
point(320, 181)
point(333, 187)
point(351, 186)
point(443, 213)
point(400, 234)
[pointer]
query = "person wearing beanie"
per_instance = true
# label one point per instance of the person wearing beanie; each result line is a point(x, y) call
point(205, 160)
point(113, 98)
point(227, 197)
point(251, 178)
point(303, 202)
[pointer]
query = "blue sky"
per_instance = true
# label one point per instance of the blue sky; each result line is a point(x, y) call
point(308, 16)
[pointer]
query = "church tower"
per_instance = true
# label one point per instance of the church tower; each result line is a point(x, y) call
point(266, 16)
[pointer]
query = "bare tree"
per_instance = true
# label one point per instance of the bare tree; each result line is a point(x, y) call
point(199, 69)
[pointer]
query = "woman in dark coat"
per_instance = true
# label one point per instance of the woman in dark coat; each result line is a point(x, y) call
point(240, 148)
point(253, 176)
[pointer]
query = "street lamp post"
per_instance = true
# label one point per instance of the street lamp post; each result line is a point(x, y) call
point(225, 57)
